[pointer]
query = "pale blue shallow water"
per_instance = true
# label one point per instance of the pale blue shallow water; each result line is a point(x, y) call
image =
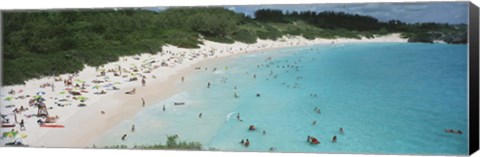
point(390, 98)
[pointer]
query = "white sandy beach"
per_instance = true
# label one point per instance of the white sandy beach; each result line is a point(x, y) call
point(85, 124)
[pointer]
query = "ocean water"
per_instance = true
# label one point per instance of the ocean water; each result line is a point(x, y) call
point(390, 98)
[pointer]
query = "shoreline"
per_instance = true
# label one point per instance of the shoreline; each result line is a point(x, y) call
point(84, 125)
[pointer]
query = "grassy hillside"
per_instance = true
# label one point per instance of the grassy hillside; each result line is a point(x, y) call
point(46, 43)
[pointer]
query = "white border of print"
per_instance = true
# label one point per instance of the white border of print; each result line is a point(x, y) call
point(57, 4)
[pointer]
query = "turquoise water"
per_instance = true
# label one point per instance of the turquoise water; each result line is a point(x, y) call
point(390, 98)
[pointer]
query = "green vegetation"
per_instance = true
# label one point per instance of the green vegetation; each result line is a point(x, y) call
point(48, 43)
point(172, 143)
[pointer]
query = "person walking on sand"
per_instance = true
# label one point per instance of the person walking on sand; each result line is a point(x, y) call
point(143, 82)
point(143, 102)
point(183, 78)
point(22, 125)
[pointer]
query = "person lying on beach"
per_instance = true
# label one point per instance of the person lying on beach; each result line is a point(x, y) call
point(131, 92)
point(40, 122)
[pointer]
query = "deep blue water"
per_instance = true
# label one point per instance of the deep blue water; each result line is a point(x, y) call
point(390, 98)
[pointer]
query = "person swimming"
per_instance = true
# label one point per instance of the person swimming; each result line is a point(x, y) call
point(314, 122)
point(200, 115)
point(334, 139)
point(258, 94)
point(341, 130)
point(247, 143)
point(252, 128)
point(314, 140)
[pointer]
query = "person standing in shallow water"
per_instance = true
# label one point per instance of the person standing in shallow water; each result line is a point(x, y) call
point(183, 78)
point(133, 128)
point(208, 85)
point(163, 108)
point(124, 136)
point(143, 102)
